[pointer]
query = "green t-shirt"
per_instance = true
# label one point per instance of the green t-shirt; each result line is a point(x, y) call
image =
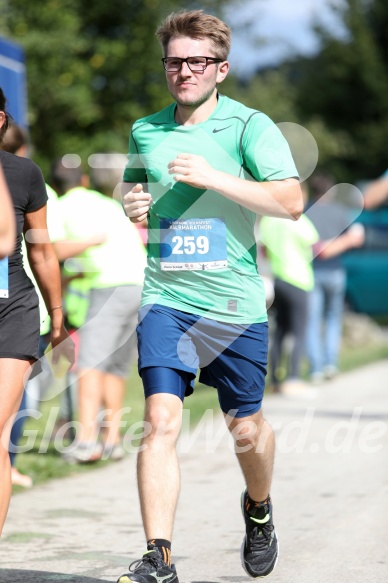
point(201, 246)
point(289, 248)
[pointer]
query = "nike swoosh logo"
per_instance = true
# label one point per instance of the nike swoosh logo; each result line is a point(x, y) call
point(263, 521)
point(215, 131)
point(161, 579)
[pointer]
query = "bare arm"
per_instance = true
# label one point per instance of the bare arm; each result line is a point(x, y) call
point(66, 249)
point(45, 267)
point(7, 219)
point(277, 198)
point(354, 237)
point(376, 193)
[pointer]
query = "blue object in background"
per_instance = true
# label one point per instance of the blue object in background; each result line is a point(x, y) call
point(367, 266)
point(13, 80)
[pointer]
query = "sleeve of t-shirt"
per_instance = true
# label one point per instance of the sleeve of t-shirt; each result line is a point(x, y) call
point(37, 194)
point(134, 170)
point(266, 153)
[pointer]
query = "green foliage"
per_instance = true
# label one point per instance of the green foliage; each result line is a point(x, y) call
point(346, 85)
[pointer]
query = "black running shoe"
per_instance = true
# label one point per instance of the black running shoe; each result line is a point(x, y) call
point(150, 569)
point(260, 548)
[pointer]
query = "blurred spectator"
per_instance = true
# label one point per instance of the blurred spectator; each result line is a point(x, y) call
point(76, 290)
point(289, 249)
point(326, 300)
point(376, 193)
point(115, 270)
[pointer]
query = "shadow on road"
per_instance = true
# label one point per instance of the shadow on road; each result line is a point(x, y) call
point(26, 576)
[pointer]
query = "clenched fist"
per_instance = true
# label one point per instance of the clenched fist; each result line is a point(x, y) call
point(136, 203)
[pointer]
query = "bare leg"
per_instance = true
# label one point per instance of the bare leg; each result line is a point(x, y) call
point(12, 373)
point(255, 450)
point(157, 467)
point(90, 391)
point(113, 396)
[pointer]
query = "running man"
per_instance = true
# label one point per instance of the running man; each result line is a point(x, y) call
point(201, 170)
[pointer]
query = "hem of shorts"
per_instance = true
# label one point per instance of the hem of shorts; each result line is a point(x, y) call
point(203, 313)
point(244, 414)
point(18, 356)
point(163, 391)
point(166, 364)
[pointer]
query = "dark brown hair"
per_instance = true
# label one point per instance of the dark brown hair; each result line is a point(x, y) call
point(64, 178)
point(2, 108)
point(13, 139)
point(199, 25)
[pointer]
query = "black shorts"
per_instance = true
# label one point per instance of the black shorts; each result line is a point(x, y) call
point(20, 322)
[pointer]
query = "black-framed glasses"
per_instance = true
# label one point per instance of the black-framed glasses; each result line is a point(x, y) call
point(195, 64)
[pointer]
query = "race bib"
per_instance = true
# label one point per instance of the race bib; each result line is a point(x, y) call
point(192, 244)
point(4, 289)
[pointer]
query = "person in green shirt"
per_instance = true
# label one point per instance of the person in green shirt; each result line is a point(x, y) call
point(289, 249)
point(200, 171)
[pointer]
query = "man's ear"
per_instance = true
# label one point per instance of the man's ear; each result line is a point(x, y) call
point(223, 70)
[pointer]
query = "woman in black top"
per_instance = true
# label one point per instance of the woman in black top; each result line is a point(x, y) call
point(19, 311)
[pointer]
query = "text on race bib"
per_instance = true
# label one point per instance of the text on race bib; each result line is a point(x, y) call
point(192, 244)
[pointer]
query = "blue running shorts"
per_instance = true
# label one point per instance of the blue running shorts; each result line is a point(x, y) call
point(173, 345)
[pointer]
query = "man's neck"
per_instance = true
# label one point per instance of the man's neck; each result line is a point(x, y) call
point(187, 116)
